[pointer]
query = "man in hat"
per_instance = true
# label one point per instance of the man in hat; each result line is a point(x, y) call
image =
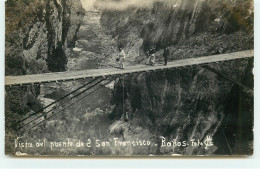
point(166, 55)
point(151, 56)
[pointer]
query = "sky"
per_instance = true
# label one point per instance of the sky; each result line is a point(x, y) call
point(87, 4)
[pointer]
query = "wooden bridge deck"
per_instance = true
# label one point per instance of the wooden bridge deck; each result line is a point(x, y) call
point(74, 75)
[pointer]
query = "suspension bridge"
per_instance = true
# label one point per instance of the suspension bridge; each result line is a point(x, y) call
point(98, 78)
point(83, 74)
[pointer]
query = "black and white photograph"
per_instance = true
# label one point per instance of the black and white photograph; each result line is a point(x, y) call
point(114, 78)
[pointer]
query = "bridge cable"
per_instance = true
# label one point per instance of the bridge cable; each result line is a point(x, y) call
point(60, 109)
point(69, 105)
point(56, 101)
point(63, 103)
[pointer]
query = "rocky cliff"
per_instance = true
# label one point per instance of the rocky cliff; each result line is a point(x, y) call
point(187, 104)
point(191, 103)
point(193, 27)
point(39, 33)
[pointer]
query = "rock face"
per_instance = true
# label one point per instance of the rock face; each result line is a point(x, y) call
point(203, 25)
point(190, 103)
point(39, 33)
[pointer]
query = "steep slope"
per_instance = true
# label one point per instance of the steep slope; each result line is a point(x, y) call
point(192, 103)
point(193, 27)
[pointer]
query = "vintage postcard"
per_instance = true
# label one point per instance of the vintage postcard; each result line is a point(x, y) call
point(129, 78)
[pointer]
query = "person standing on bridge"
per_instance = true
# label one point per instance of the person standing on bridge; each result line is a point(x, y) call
point(151, 56)
point(166, 55)
point(121, 58)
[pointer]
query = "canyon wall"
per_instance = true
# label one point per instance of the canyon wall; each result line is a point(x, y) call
point(191, 27)
point(191, 103)
point(39, 33)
